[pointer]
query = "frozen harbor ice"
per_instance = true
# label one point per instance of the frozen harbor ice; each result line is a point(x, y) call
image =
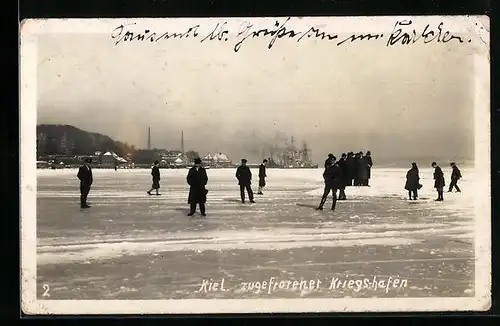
point(132, 246)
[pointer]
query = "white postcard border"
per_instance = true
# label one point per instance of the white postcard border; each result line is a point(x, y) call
point(28, 119)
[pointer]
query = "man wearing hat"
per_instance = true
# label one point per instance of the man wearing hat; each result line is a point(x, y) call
point(349, 161)
point(244, 176)
point(343, 167)
point(438, 180)
point(86, 179)
point(455, 176)
point(369, 164)
point(155, 173)
point(333, 179)
point(328, 160)
point(197, 180)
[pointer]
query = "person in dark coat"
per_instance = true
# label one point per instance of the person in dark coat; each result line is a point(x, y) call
point(86, 180)
point(455, 176)
point(363, 170)
point(369, 164)
point(244, 176)
point(155, 173)
point(357, 168)
point(438, 181)
point(333, 180)
point(343, 167)
point(197, 180)
point(328, 160)
point(349, 169)
point(413, 182)
point(262, 176)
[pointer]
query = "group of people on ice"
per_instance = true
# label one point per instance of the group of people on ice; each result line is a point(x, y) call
point(337, 175)
point(350, 170)
point(197, 180)
point(413, 180)
point(356, 168)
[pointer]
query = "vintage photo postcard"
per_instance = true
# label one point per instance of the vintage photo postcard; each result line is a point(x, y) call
point(245, 165)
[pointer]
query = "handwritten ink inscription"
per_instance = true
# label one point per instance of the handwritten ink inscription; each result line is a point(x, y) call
point(403, 33)
point(400, 34)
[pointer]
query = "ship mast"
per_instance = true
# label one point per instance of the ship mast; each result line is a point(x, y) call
point(182, 141)
point(305, 153)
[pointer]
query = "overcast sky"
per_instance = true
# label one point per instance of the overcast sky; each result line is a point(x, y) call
point(397, 102)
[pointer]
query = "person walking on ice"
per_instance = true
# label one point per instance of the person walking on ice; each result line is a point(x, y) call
point(155, 173)
point(262, 176)
point(455, 176)
point(333, 179)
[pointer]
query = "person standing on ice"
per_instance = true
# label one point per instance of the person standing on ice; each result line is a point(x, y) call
point(333, 179)
point(455, 176)
point(438, 181)
point(244, 176)
point(197, 179)
point(369, 164)
point(155, 173)
point(344, 181)
point(349, 168)
point(262, 176)
point(363, 170)
point(413, 181)
point(357, 169)
point(86, 180)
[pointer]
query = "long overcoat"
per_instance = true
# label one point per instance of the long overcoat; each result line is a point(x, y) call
point(438, 178)
point(412, 179)
point(197, 180)
point(369, 162)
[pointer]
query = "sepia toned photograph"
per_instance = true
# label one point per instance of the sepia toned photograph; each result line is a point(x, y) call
point(242, 165)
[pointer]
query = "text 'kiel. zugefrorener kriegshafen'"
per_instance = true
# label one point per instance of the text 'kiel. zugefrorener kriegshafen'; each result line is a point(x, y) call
point(402, 33)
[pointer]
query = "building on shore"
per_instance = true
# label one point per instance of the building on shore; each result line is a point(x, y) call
point(174, 159)
point(217, 160)
point(111, 160)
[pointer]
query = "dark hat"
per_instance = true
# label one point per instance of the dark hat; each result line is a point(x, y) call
point(333, 158)
point(344, 155)
point(368, 153)
point(452, 163)
point(414, 164)
point(243, 160)
point(156, 162)
point(88, 160)
point(330, 155)
point(433, 163)
point(265, 161)
point(197, 160)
